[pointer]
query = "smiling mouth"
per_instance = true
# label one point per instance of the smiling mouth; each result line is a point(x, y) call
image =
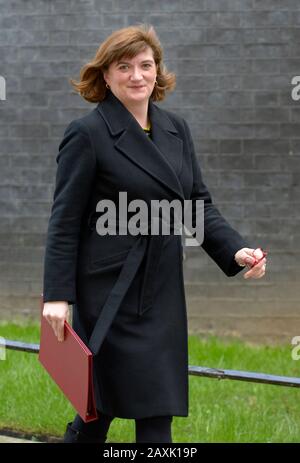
point(138, 86)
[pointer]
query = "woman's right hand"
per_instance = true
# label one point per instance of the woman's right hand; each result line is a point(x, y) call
point(56, 313)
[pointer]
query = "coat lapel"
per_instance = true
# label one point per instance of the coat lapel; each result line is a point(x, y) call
point(160, 157)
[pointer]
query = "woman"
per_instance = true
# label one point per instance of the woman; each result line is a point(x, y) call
point(128, 144)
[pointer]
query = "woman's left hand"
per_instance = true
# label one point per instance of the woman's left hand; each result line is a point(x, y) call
point(254, 259)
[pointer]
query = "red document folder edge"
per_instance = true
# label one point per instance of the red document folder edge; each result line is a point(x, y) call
point(70, 364)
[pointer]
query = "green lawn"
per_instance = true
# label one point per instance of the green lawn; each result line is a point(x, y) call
point(220, 411)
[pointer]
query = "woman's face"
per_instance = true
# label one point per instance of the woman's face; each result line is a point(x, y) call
point(132, 79)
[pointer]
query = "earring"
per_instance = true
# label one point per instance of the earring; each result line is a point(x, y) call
point(107, 86)
point(156, 83)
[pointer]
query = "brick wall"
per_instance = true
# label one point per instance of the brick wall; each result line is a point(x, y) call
point(234, 61)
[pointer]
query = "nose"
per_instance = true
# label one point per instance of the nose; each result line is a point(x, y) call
point(136, 74)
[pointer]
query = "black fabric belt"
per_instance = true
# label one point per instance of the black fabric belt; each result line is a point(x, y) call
point(151, 245)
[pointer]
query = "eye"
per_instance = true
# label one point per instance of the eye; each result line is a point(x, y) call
point(123, 67)
point(147, 65)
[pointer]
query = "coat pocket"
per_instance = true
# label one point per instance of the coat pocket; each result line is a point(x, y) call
point(108, 252)
point(108, 263)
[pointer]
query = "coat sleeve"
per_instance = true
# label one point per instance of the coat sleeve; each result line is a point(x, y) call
point(221, 241)
point(76, 167)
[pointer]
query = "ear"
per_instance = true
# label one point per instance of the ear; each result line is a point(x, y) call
point(105, 76)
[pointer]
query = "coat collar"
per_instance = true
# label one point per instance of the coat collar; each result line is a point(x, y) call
point(161, 156)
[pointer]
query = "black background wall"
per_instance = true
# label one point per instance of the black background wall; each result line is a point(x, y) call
point(234, 60)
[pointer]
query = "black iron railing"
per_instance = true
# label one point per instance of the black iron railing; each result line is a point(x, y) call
point(216, 373)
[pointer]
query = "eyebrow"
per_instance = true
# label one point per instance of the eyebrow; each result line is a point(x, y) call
point(145, 61)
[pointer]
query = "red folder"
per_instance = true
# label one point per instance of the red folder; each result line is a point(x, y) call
point(70, 364)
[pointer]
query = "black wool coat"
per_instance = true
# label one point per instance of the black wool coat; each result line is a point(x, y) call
point(141, 356)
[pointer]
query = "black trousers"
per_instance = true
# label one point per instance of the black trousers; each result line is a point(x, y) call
point(154, 429)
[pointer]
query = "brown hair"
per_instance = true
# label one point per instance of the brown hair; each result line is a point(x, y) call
point(126, 42)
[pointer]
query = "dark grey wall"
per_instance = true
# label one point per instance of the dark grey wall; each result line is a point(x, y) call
point(234, 61)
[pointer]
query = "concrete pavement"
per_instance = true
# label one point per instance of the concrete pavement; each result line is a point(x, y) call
point(15, 440)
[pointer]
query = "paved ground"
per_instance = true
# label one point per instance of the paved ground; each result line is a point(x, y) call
point(14, 440)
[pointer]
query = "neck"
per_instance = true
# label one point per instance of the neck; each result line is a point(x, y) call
point(140, 112)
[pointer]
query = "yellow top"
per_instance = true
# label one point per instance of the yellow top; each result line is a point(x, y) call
point(147, 130)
